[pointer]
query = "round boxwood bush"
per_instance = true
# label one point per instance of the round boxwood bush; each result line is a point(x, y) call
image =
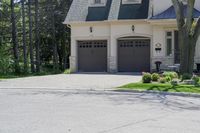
point(146, 78)
point(172, 75)
point(162, 80)
point(155, 77)
point(168, 78)
point(195, 78)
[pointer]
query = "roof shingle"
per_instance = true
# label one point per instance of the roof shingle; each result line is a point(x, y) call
point(170, 13)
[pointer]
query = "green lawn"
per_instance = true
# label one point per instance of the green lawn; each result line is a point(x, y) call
point(160, 87)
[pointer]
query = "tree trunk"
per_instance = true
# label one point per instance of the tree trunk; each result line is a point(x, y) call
point(55, 51)
point(188, 34)
point(37, 40)
point(64, 47)
point(188, 45)
point(24, 38)
point(14, 38)
point(30, 36)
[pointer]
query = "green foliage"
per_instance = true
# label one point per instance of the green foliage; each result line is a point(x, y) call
point(155, 77)
point(5, 61)
point(146, 78)
point(67, 71)
point(51, 16)
point(196, 79)
point(162, 87)
point(162, 80)
point(168, 78)
point(186, 76)
point(174, 82)
point(172, 75)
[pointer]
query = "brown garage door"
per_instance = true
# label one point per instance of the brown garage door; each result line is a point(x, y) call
point(92, 56)
point(134, 55)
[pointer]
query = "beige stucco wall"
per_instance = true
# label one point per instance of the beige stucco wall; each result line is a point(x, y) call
point(159, 37)
point(111, 31)
point(125, 29)
point(82, 32)
point(106, 31)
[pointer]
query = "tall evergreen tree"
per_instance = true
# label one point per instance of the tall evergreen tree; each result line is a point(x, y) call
point(24, 37)
point(14, 37)
point(37, 38)
point(31, 36)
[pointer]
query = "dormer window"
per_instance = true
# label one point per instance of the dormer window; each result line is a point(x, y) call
point(97, 3)
point(131, 1)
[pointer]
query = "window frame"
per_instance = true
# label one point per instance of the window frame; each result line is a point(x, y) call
point(101, 4)
point(97, 1)
point(172, 43)
point(131, 2)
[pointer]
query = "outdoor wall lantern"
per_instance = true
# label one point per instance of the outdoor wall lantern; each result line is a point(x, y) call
point(158, 47)
point(133, 28)
point(91, 29)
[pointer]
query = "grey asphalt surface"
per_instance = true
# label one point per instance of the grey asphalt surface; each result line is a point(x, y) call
point(84, 111)
point(86, 103)
point(82, 81)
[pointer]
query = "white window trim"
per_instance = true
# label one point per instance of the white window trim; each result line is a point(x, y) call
point(131, 2)
point(92, 3)
point(172, 38)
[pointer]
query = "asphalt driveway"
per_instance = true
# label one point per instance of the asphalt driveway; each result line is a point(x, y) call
point(72, 81)
point(84, 111)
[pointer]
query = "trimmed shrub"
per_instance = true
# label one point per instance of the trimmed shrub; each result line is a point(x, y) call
point(186, 76)
point(172, 75)
point(155, 77)
point(162, 80)
point(67, 71)
point(168, 78)
point(146, 78)
point(174, 82)
point(196, 80)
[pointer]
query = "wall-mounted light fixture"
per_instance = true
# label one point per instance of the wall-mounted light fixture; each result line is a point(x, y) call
point(91, 29)
point(133, 28)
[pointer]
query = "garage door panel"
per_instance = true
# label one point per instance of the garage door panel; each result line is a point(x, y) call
point(92, 56)
point(133, 55)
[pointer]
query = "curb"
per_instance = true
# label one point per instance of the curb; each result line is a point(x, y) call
point(183, 94)
point(111, 91)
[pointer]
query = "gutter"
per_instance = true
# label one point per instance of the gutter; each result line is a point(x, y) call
point(106, 21)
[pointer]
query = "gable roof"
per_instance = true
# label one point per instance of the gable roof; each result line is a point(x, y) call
point(81, 10)
point(78, 11)
point(170, 13)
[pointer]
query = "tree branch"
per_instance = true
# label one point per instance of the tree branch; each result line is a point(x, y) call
point(190, 8)
point(178, 6)
point(197, 29)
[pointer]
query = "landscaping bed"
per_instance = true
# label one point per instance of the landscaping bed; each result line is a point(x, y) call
point(166, 82)
point(161, 87)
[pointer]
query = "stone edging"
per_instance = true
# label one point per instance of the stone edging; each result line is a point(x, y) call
point(183, 94)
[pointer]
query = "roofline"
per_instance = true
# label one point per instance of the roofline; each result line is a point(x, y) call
point(164, 20)
point(106, 21)
point(152, 21)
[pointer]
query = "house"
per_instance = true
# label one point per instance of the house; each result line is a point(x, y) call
point(124, 35)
